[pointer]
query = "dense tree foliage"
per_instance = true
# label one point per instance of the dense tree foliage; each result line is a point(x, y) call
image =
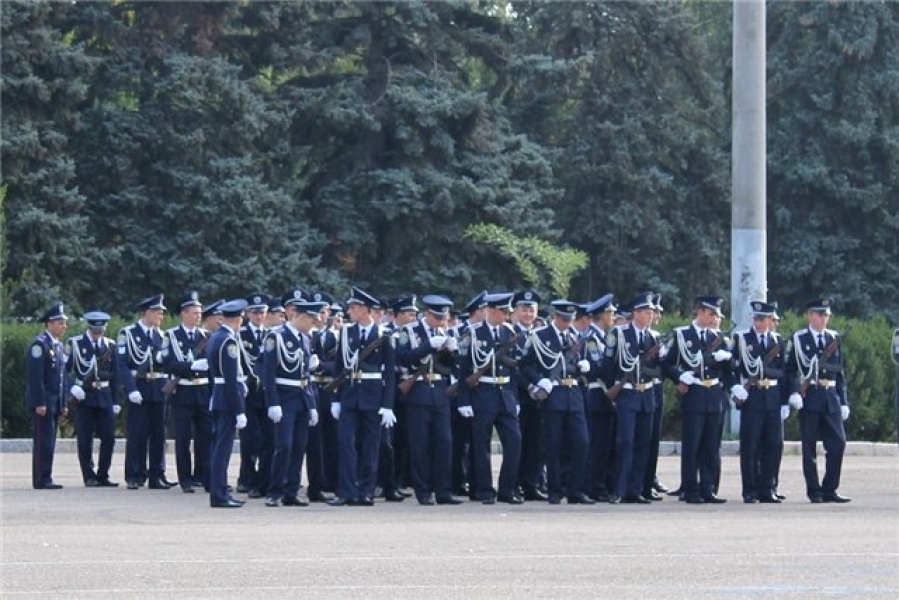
point(228, 147)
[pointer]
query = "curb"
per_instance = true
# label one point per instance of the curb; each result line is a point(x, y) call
point(666, 448)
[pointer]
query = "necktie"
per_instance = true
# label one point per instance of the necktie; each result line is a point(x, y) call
point(190, 336)
point(496, 334)
point(821, 342)
point(97, 348)
point(642, 339)
point(763, 341)
point(258, 337)
point(363, 333)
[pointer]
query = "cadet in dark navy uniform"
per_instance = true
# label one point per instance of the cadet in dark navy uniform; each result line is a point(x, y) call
point(366, 356)
point(698, 361)
point(488, 354)
point(256, 438)
point(92, 367)
point(531, 468)
point(815, 368)
point(324, 345)
point(45, 394)
point(290, 396)
point(630, 367)
point(211, 317)
point(227, 405)
point(428, 357)
point(600, 480)
point(316, 444)
point(651, 484)
point(139, 370)
point(759, 377)
point(183, 356)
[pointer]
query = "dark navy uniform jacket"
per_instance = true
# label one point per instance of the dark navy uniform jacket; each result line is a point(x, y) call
point(488, 397)
point(823, 374)
point(413, 345)
point(229, 385)
point(593, 349)
point(249, 358)
point(178, 354)
point(364, 390)
point(622, 343)
point(139, 365)
point(47, 381)
point(699, 398)
point(560, 366)
point(285, 370)
point(93, 371)
point(765, 381)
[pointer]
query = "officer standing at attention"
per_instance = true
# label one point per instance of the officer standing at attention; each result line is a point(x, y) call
point(815, 364)
point(428, 356)
point(45, 394)
point(139, 369)
point(552, 364)
point(630, 366)
point(183, 354)
point(601, 416)
point(229, 389)
point(531, 479)
point(759, 376)
point(91, 364)
point(698, 361)
point(488, 357)
point(256, 437)
point(290, 396)
point(366, 357)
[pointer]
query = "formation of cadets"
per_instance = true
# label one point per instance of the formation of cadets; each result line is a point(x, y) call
point(375, 397)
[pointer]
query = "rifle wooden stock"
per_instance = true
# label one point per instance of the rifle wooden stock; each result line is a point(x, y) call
point(171, 384)
point(366, 352)
point(613, 391)
point(766, 360)
point(103, 364)
point(501, 356)
point(829, 351)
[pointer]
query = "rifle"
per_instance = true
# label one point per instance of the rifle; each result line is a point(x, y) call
point(103, 363)
point(501, 354)
point(766, 360)
point(366, 352)
point(829, 351)
point(171, 384)
point(630, 377)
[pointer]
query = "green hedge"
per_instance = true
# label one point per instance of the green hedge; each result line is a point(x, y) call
point(870, 371)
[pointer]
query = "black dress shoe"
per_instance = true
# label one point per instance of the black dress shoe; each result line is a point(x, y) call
point(462, 490)
point(554, 499)
point(601, 497)
point(318, 497)
point(254, 493)
point(91, 483)
point(676, 492)
point(660, 487)
point(693, 500)
point(365, 501)
point(769, 499)
point(225, 504)
point(188, 490)
point(403, 493)
point(426, 500)
point(835, 497)
point(293, 501)
point(750, 499)
point(133, 485)
point(511, 499)
point(580, 499)
point(196, 483)
point(49, 486)
point(713, 499)
point(272, 501)
point(535, 495)
point(233, 499)
point(653, 496)
point(242, 488)
point(393, 496)
point(339, 501)
point(815, 499)
point(638, 499)
point(448, 500)
point(780, 496)
point(613, 499)
point(157, 484)
point(488, 500)
point(105, 482)
point(167, 482)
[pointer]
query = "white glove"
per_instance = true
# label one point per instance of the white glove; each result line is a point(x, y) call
point(795, 401)
point(77, 391)
point(517, 409)
point(721, 355)
point(135, 397)
point(335, 410)
point(241, 421)
point(314, 362)
point(844, 412)
point(388, 419)
point(275, 413)
point(466, 411)
point(452, 344)
point(784, 412)
point(688, 378)
point(116, 409)
point(159, 356)
point(546, 385)
point(313, 417)
point(663, 352)
point(200, 365)
point(739, 392)
point(583, 366)
point(438, 341)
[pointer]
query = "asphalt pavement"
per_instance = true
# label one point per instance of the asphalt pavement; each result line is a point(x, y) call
point(102, 542)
